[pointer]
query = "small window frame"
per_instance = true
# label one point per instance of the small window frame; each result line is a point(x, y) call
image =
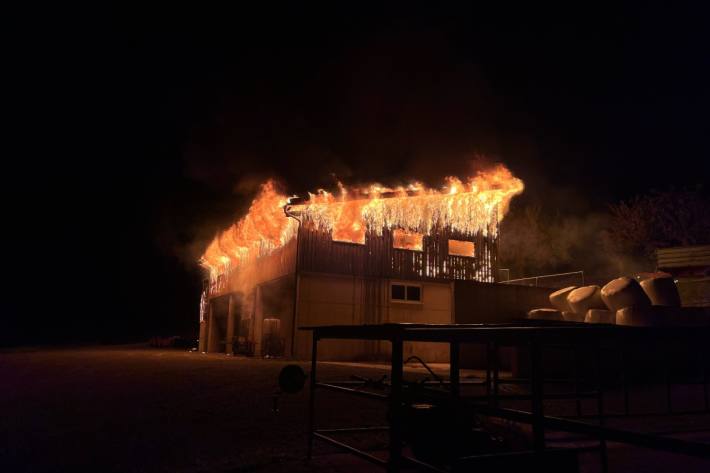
point(406, 299)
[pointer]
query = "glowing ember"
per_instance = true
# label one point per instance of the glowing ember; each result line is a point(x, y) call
point(468, 207)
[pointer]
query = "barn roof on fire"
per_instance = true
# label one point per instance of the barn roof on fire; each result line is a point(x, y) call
point(466, 206)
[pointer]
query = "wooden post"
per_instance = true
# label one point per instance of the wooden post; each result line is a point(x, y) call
point(230, 326)
point(395, 406)
point(258, 321)
point(213, 329)
point(203, 336)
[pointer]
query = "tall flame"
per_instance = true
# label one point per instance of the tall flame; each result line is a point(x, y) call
point(468, 207)
point(264, 228)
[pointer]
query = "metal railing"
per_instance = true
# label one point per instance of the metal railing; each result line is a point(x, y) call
point(548, 280)
point(535, 338)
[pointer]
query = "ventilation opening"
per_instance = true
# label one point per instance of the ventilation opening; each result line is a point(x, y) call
point(462, 248)
point(405, 240)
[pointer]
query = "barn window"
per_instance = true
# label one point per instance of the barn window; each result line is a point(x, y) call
point(405, 240)
point(350, 237)
point(406, 292)
point(462, 248)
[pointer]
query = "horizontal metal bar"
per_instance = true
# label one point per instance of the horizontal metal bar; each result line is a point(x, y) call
point(353, 450)
point(560, 333)
point(615, 435)
point(354, 429)
point(419, 463)
point(525, 397)
point(356, 392)
point(518, 381)
point(621, 415)
point(523, 453)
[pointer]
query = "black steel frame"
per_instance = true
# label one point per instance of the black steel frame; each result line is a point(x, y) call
point(494, 336)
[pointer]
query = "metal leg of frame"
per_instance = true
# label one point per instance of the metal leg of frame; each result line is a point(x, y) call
point(454, 375)
point(395, 407)
point(575, 377)
point(489, 357)
point(600, 408)
point(536, 378)
point(624, 376)
point(667, 377)
point(312, 398)
point(496, 373)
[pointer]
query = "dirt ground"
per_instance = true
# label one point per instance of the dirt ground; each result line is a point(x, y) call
point(134, 409)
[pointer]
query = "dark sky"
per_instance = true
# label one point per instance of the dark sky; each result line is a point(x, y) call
point(141, 132)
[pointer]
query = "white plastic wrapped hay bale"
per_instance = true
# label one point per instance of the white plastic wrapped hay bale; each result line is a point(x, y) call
point(584, 298)
point(545, 314)
point(558, 299)
point(600, 316)
point(624, 292)
point(661, 290)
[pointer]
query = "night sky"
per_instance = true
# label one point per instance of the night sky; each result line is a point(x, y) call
point(142, 132)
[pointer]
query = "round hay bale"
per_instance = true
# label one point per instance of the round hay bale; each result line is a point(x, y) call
point(584, 298)
point(570, 316)
point(645, 316)
point(558, 299)
point(545, 314)
point(661, 290)
point(624, 292)
point(600, 316)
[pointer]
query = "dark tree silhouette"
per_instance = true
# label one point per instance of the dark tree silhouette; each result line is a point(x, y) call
point(660, 219)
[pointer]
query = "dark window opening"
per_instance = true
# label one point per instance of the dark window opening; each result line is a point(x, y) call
point(406, 292)
point(414, 293)
point(398, 292)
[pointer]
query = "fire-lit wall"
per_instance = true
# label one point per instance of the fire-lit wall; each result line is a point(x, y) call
point(342, 300)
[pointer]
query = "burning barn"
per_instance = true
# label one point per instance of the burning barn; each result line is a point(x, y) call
point(366, 256)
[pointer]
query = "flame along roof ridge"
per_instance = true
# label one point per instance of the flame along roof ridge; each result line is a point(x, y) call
point(466, 207)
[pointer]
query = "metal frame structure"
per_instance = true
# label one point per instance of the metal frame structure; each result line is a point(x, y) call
point(494, 336)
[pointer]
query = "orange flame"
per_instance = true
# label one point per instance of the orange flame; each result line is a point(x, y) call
point(469, 207)
point(263, 229)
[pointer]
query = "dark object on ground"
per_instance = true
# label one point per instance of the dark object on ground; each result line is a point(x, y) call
point(292, 379)
point(440, 433)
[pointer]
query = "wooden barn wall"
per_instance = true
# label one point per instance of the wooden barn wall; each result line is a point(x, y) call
point(378, 258)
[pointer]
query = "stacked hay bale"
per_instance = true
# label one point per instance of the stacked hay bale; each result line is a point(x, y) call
point(558, 299)
point(622, 295)
point(582, 300)
point(623, 301)
point(661, 290)
point(659, 306)
point(545, 314)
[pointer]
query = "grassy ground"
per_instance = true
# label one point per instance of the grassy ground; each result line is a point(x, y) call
point(138, 409)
